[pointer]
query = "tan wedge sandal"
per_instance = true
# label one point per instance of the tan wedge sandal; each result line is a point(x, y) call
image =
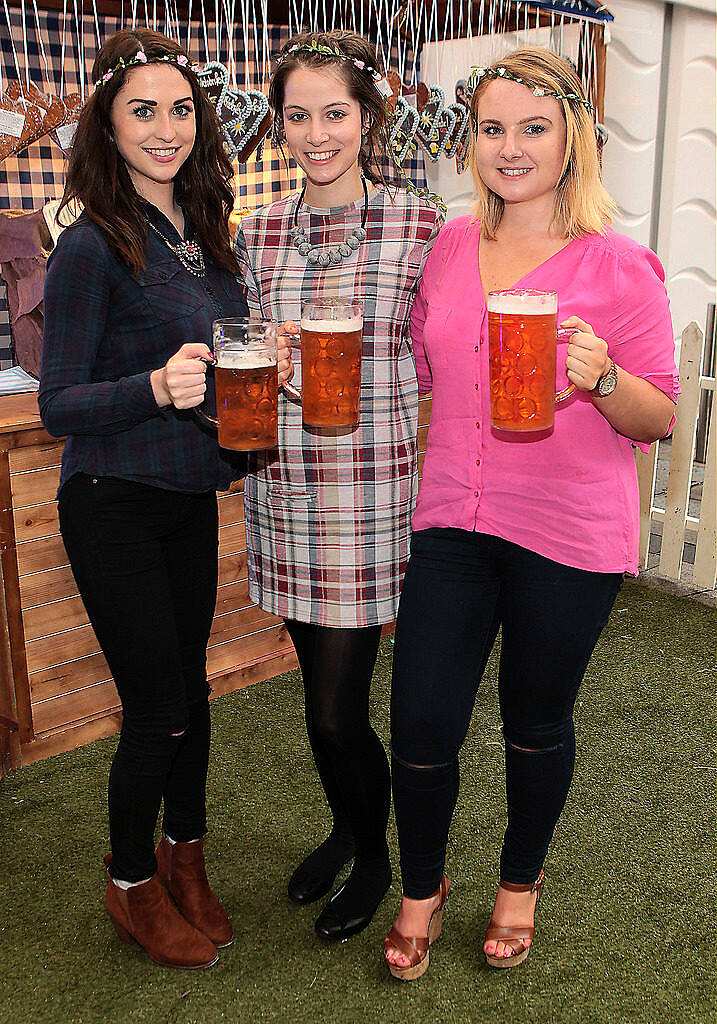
point(513, 936)
point(417, 948)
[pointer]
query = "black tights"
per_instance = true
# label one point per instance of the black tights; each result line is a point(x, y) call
point(337, 666)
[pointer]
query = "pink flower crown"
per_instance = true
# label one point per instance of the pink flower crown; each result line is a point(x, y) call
point(316, 47)
point(141, 58)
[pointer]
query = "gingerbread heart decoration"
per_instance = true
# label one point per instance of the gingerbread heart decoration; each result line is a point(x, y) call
point(214, 79)
point(245, 120)
point(405, 123)
point(399, 88)
point(244, 117)
point(65, 132)
point(444, 129)
point(26, 114)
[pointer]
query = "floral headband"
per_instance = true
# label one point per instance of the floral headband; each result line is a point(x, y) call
point(314, 46)
point(141, 58)
point(500, 72)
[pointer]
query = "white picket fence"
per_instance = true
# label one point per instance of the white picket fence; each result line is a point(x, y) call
point(677, 524)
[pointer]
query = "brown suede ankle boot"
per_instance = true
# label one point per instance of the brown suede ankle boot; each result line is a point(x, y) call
point(181, 868)
point(146, 915)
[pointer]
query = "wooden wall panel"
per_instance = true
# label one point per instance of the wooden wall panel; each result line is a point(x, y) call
point(48, 619)
point(36, 487)
point(76, 706)
point(232, 596)
point(39, 521)
point(49, 651)
point(38, 456)
point(45, 553)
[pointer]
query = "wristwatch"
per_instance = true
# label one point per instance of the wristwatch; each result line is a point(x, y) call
point(607, 383)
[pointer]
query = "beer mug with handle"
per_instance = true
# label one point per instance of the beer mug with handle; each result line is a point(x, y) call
point(522, 338)
point(331, 337)
point(246, 382)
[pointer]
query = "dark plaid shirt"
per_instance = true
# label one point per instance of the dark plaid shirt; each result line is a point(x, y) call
point(105, 331)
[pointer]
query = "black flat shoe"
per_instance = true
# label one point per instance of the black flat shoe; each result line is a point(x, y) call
point(353, 906)
point(315, 876)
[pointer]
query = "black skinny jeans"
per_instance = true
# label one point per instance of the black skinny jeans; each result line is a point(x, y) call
point(460, 587)
point(145, 562)
point(337, 667)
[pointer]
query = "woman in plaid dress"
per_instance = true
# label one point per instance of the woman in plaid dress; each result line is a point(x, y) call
point(328, 512)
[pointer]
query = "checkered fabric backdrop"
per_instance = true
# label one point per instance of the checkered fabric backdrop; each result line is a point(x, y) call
point(29, 180)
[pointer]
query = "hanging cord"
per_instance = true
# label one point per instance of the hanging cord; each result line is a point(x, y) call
point(12, 42)
point(96, 24)
point(82, 70)
point(51, 85)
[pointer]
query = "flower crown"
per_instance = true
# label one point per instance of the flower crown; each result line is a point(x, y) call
point(313, 46)
point(141, 58)
point(478, 73)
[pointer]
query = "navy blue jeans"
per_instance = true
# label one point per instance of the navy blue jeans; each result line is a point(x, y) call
point(145, 562)
point(460, 588)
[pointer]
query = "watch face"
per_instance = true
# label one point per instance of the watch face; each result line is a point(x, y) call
point(608, 384)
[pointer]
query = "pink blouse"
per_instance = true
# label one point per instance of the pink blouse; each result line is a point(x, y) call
point(571, 495)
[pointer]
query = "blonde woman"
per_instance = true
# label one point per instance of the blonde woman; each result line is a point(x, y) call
point(533, 535)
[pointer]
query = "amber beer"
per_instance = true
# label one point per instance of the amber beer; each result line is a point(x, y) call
point(246, 384)
point(522, 338)
point(331, 337)
point(247, 403)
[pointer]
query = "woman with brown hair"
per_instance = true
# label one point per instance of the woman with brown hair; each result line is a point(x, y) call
point(132, 289)
point(527, 532)
point(328, 512)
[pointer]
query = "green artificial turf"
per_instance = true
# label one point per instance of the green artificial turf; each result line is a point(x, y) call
point(625, 930)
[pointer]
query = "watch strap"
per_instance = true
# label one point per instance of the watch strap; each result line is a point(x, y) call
point(607, 382)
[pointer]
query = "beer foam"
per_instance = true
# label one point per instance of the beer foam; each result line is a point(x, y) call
point(230, 359)
point(522, 301)
point(354, 323)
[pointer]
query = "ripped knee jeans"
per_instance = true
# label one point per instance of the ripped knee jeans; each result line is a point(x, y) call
point(460, 589)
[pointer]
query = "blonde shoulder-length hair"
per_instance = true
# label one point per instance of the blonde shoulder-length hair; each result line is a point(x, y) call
point(582, 203)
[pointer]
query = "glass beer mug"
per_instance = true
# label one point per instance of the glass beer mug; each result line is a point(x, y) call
point(522, 337)
point(331, 336)
point(246, 381)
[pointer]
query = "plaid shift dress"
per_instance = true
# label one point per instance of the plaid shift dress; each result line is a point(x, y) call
point(328, 511)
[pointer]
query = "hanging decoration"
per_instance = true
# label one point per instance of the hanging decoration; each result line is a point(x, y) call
point(26, 114)
point(423, 119)
point(244, 116)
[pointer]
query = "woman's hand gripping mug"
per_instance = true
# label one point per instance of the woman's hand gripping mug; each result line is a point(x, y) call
point(522, 337)
point(246, 383)
point(331, 338)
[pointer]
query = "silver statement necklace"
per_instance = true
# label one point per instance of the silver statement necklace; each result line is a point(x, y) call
point(188, 253)
point(333, 256)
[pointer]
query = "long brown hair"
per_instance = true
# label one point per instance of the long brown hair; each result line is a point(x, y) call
point(374, 116)
point(98, 176)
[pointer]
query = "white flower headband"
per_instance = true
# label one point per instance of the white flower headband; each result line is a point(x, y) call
point(478, 73)
point(141, 58)
point(316, 47)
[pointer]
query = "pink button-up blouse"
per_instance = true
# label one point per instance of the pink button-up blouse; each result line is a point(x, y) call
point(571, 495)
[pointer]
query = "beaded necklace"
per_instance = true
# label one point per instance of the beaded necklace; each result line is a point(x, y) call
point(188, 253)
point(334, 255)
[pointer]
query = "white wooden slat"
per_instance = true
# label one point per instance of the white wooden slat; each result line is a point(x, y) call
point(705, 569)
point(645, 463)
point(683, 446)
